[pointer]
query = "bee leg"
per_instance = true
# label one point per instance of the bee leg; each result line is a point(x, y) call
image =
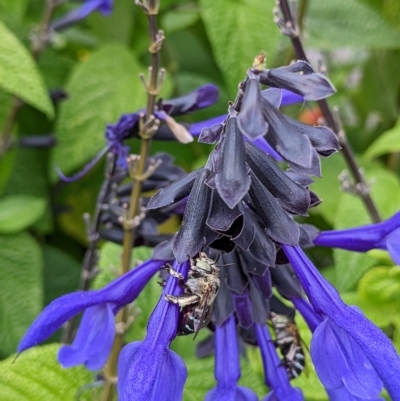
point(182, 300)
point(161, 283)
point(175, 274)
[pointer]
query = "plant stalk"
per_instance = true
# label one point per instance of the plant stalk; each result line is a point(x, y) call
point(361, 187)
point(139, 172)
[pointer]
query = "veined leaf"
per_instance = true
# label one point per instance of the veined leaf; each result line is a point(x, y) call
point(36, 376)
point(388, 142)
point(21, 288)
point(19, 74)
point(332, 25)
point(19, 212)
point(238, 31)
point(382, 284)
point(100, 90)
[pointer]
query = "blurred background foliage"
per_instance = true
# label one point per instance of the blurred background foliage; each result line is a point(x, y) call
point(42, 235)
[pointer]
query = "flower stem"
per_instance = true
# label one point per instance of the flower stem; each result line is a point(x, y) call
point(361, 186)
point(38, 44)
point(139, 171)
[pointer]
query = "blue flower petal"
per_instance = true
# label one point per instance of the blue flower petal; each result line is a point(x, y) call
point(289, 98)
point(93, 341)
point(363, 238)
point(236, 393)
point(227, 366)
point(276, 376)
point(147, 365)
point(120, 292)
point(166, 385)
point(296, 395)
point(342, 394)
point(326, 300)
point(327, 357)
point(243, 308)
point(104, 6)
point(312, 319)
point(393, 245)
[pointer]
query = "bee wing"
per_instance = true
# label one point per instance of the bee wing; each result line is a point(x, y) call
point(206, 311)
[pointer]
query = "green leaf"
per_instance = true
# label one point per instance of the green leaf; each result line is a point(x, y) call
point(29, 174)
point(100, 90)
point(6, 166)
point(19, 75)
point(388, 142)
point(328, 188)
point(19, 212)
point(381, 256)
point(15, 8)
point(332, 25)
point(381, 284)
point(110, 260)
point(118, 26)
point(61, 273)
point(37, 376)
point(21, 294)
point(180, 18)
point(200, 378)
point(381, 314)
point(238, 31)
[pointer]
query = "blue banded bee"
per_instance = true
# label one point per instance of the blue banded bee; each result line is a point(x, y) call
point(200, 291)
point(289, 343)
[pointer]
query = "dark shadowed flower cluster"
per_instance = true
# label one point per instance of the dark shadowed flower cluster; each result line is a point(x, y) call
point(240, 208)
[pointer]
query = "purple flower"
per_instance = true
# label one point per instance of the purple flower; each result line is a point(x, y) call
point(276, 376)
point(148, 369)
point(127, 126)
point(104, 7)
point(354, 327)
point(97, 330)
point(341, 365)
point(340, 362)
point(227, 367)
point(385, 235)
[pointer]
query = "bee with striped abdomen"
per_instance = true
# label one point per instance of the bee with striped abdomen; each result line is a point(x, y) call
point(289, 343)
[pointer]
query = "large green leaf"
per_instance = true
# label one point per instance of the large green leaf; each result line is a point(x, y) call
point(19, 75)
point(382, 284)
point(332, 24)
point(21, 288)
point(238, 31)
point(100, 90)
point(388, 142)
point(37, 376)
point(19, 212)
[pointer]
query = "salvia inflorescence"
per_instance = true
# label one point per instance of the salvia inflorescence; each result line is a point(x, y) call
point(238, 241)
